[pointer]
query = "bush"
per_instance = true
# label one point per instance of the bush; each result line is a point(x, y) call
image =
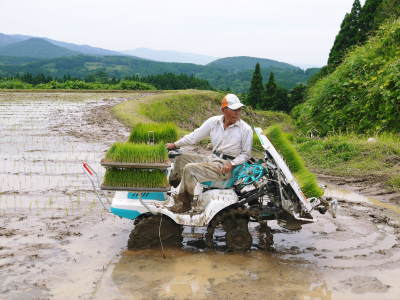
point(134, 85)
point(14, 84)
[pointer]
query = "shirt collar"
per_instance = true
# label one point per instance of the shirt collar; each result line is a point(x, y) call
point(221, 120)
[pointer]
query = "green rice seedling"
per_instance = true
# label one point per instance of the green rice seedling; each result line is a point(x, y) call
point(304, 177)
point(308, 184)
point(154, 133)
point(285, 148)
point(257, 144)
point(149, 178)
point(137, 153)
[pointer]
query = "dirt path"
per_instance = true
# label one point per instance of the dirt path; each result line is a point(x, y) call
point(57, 243)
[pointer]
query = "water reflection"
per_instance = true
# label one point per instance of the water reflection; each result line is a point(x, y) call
point(183, 275)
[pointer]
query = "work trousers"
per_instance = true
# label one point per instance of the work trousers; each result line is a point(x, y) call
point(190, 169)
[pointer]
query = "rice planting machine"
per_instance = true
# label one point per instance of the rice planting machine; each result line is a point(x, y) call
point(258, 191)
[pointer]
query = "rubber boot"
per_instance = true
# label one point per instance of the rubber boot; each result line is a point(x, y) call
point(182, 203)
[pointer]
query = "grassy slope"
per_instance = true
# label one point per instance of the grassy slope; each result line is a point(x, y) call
point(188, 109)
point(352, 155)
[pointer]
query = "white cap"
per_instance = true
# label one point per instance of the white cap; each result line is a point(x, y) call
point(231, 101)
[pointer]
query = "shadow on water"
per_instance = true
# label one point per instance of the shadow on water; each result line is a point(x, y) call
point(183, 274)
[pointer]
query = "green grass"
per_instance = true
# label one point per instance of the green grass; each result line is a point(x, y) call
point(394, 182)
point(305, 178)
point(137, 153)
point(154, 132)
point(135, 178)
point(188, 109)
point(352, 155)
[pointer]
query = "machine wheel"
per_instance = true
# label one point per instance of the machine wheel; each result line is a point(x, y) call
point(238, 240)
point(266, 239)
point(146, 233)
point(235, 224)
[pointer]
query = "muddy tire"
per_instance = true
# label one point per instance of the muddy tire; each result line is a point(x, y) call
point(232, 221)
point(265, 236)
point(235, 223)
point(238, 240)
point(147, 233)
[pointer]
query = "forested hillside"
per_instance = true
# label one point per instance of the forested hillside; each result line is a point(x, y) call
point(360, 24)
point(220, 76)
point(363, 93)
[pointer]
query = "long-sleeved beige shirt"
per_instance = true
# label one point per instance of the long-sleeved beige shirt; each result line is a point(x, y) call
point(236, 140)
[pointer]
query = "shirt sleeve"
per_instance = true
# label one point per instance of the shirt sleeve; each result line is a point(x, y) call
point(197, 135)
point(247, 142)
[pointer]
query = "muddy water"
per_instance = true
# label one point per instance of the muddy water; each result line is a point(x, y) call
point(56, 242)
point(50, 221)
point(354, 256)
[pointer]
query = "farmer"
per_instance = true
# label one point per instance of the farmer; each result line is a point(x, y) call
point(232, 140)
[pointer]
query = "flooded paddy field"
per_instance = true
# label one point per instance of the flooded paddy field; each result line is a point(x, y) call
point(56, 242)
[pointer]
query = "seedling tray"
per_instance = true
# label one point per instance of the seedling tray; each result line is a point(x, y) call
point(134, 189)
point(161, 166)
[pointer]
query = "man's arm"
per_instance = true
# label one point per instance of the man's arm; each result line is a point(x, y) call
point(197, 135)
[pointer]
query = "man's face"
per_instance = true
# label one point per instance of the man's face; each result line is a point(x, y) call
point(230, 115)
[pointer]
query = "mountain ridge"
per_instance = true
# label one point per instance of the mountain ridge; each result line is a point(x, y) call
point(35, 47)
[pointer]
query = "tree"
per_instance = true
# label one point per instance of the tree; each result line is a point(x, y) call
point(347, 36)
point(275, 97)
point(268, 100)
point(367, 23)
point(256, 90)
point(296, 96)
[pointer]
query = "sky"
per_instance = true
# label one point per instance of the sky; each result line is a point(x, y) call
point(294, 31)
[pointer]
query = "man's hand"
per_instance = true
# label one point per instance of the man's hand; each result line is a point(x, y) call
point(226, 168)
point(170, 146)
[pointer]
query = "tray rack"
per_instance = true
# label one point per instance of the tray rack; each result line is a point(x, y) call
point(123, 165)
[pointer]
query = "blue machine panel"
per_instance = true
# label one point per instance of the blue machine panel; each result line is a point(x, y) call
point(158, 196)
point(125, 213)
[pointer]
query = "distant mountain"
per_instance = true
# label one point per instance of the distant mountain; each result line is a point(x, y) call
point(35, 47)
point(170, 56)
point(84, 49)
point(122, 66)
point(7, 39)
point(241, 63)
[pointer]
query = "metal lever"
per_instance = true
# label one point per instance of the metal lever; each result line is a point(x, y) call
point(95, 181)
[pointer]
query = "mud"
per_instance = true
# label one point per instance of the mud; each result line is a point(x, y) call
point(56, 242)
